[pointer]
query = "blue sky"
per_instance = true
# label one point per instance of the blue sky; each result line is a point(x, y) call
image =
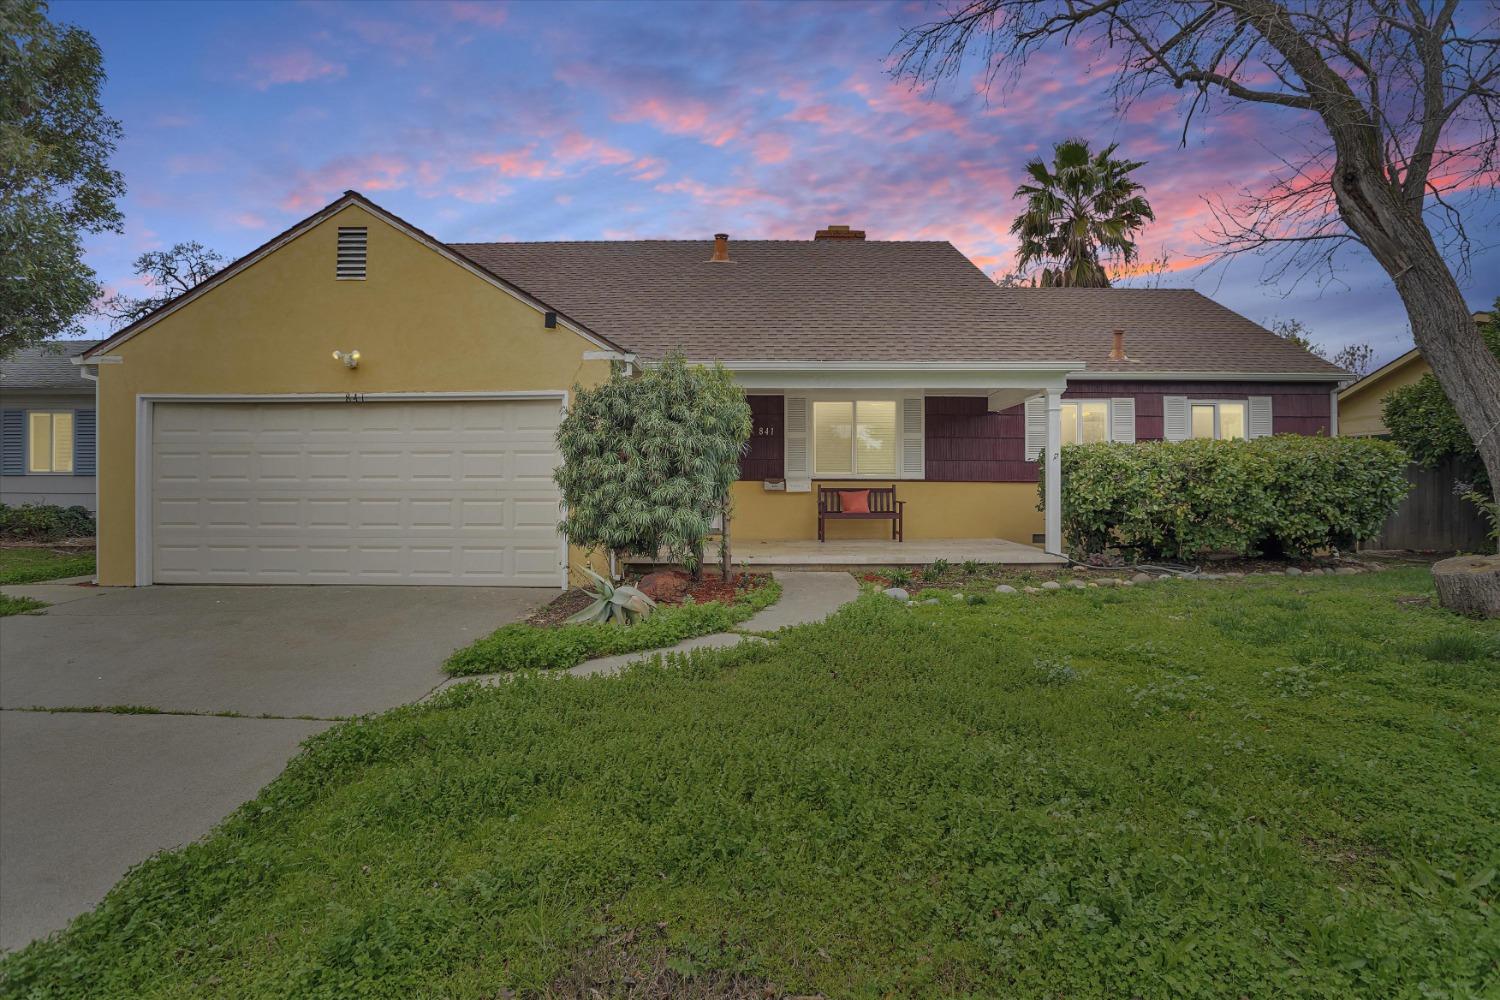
point(525, 121)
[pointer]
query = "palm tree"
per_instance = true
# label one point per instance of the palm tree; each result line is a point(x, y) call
point(1083, 207)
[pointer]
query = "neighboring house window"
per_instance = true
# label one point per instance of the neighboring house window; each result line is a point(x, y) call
point(855, 437)
point(1085, 422)
point(1224, 421)
point(50, 441)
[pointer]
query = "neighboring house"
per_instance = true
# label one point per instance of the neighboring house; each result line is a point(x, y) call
point(1360, 403)
point(243, 442)
point(1431, 518)
point(47, 427)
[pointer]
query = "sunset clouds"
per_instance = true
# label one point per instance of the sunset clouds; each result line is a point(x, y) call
point(478, 120)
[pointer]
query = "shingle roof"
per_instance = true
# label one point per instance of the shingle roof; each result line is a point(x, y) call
point(46, 366)
point(853, 300)
point(1166, 330)
point(777, 300)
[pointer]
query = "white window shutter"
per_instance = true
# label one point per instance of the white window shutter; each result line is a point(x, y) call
point(913, 459)
point(1175, 418)
point(795, 463)
point(1036, 427)
point(1122, 419)
point(1258, 422)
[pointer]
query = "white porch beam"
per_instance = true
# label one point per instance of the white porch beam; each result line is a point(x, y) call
point(1053, 474)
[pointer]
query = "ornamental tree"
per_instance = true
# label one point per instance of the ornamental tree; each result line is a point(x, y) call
point(648, 460)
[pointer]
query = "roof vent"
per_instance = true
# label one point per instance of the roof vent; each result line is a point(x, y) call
point(353, 251)
point(721, 249)
point(839, 233)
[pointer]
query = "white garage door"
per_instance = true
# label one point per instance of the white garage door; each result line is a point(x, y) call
point(429, 492)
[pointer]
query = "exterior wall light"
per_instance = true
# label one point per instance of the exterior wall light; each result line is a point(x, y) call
point(349, 358)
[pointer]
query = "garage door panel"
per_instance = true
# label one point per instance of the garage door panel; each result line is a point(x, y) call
point(450, 492)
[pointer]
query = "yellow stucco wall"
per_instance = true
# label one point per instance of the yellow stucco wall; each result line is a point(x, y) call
point(933, 510)
point(1359, 405)
point(420, 322)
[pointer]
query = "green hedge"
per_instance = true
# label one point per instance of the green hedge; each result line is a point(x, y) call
point(1288, 494)
point(45, 522)
point(529, 647)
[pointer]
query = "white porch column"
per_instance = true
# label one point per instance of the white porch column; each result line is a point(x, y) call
point(1052, 473)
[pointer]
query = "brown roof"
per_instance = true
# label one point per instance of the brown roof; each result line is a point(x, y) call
point(853, 300)
point(1166, 330)
point(777, 300)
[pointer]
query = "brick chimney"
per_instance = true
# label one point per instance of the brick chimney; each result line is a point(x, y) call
point(1117, 353)
point(721, 249)
point(839, 233)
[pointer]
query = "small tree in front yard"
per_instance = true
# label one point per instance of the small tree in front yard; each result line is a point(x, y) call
point(648, 460)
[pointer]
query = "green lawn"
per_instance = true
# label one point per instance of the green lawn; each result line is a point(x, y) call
point(1267, 787)
point(32, 565)
point(520, 646)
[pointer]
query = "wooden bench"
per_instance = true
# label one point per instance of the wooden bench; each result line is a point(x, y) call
point(883, 506)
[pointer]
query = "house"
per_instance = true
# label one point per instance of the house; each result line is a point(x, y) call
point(47, 427)
point(1360, 402)
point(357, 402)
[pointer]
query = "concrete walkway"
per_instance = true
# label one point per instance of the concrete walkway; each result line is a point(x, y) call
point(805, 597)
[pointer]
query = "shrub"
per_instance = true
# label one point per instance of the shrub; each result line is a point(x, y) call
point(1286, 494)
point(45, 522)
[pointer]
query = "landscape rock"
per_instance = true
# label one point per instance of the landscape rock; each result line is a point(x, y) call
point(896, 593)
point(932, 600)
point(1231, 575)
point(1293, 571)
point(1032, 590)
point(1077, 584)
point(665, 585)
point(1127, 583)
point(1005, 588)
point(1052, 585)
point(1142, 578)
point(1346, 571)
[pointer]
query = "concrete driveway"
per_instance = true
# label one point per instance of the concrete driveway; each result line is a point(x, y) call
point(86, 795)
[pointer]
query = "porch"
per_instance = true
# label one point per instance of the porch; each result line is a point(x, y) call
point(864, 553)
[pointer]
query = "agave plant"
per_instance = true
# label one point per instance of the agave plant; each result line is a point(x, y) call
point(614, 603)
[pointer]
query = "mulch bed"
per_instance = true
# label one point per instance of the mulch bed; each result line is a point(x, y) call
point(711, 588)
point(72, 545)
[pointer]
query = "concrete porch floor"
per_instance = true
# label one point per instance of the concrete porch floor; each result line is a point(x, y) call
point(852, 553)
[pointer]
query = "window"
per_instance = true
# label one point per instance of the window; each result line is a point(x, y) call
point(1085, 423)
point(50, 442)
point(855, 437)
point(1224, 421)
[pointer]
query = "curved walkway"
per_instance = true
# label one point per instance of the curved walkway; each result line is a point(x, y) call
point(805, 597)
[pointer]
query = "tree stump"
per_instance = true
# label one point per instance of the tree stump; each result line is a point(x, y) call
point(1469, 584)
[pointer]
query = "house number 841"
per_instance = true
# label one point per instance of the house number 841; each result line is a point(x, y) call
point(354, 397)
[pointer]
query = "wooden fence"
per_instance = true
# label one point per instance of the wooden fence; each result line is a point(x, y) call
point(1432, 518)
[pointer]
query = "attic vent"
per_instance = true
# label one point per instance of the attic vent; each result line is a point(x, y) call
point(353, 241)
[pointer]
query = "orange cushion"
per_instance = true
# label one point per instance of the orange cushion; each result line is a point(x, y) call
point(854, 501)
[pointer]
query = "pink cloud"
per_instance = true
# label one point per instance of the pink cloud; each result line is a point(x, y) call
point(487, 15)
point(375, 172)
point(293, 66)
point(249, 220)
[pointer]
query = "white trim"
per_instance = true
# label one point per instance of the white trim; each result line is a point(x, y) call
point(318, 218)
point(103, 359)
point(1097, 375)
point(1333, 413)
point(1052, 485)
point(145, 403)
point(608, 356)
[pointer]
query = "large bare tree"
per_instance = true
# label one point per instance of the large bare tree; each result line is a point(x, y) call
point(1402, 100)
